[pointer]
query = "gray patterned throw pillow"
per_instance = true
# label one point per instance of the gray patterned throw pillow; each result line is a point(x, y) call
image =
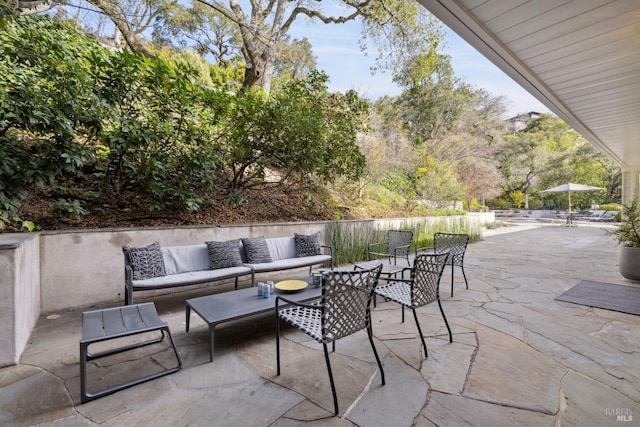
point(257, 250)
point(307, 245)
point(224, 254)
point(146, 262)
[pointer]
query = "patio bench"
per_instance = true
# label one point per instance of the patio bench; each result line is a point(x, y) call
point(116, 323)
point(158, 267)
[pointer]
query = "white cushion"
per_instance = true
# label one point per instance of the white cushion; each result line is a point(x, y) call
point(192, 277)
point(285, 264)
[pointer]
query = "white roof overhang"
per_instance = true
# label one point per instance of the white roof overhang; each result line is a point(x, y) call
point(579, 58)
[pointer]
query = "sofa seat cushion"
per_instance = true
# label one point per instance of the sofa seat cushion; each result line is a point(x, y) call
point(192, 277)
point(285, 264)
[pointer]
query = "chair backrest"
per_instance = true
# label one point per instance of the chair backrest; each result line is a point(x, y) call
point(399, 239)
point(425, 275)
point(346, 297)
point(455, 244)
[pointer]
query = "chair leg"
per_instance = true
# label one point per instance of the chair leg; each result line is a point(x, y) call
point(424, 345)
point(375, 352)
point(277, 342)
point(445, 320)
point(451, 280)
point(465, 276)
point(333, 386)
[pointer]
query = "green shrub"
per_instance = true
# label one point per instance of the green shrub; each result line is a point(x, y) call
point(67, 207)
point(384, 196)
point(302, 130)
point(500, 203)
point(71, 110)
point(613, 207)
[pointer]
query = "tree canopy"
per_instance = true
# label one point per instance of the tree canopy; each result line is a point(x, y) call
point(255, 30)
point(169, 129)
point(74, 111)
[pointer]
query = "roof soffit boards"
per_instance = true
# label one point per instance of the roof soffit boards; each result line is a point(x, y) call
point(579, 58)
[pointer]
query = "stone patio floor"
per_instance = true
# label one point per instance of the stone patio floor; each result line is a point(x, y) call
point(518, 357)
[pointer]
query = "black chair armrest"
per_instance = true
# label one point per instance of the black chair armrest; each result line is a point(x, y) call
point(299, 304)
point(330, 252)
point(376, 244)
point(401, 247)
point(425, 249)
point(395, 279)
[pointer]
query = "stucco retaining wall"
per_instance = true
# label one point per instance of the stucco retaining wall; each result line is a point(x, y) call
point(19, 293)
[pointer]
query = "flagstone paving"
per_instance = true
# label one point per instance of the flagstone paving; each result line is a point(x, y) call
point(518, 357)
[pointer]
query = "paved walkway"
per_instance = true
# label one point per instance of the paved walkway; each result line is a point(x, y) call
point(518, 357)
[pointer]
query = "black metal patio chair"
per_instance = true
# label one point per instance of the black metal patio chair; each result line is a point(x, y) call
point(343, 310)
point(420, 289)
point(455, 245)
point(397, 245)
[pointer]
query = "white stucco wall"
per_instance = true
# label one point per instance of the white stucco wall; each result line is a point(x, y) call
point(19, 293)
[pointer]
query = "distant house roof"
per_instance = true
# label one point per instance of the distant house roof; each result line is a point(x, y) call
point(517, 123)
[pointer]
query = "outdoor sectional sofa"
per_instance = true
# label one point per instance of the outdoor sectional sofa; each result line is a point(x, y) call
point(158, 267)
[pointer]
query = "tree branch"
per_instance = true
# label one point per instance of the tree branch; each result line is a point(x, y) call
point(114, 12)
point(322, 17)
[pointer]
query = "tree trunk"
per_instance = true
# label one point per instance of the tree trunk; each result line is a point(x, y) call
point(134, 42)
point(253, 73)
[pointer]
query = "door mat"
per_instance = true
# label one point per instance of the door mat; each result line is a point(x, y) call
point(622, 298)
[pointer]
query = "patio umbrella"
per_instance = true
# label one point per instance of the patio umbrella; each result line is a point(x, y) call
point(569, 187)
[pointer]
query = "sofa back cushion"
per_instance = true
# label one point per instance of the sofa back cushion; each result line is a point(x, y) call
point(224, 254)
point(181, 259)
point(146, 262)
point(307, 245)
point(255, 250)
point(281, 247)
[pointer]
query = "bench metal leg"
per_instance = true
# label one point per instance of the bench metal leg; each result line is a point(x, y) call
point(212, 328)
point(95, 327)
point(86, 396)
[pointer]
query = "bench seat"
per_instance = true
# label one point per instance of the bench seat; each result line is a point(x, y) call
point(290, 263)
point(191, 278)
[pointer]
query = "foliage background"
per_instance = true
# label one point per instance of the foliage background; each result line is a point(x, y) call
point(98, 137)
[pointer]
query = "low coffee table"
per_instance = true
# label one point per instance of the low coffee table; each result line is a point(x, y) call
point(233, 305)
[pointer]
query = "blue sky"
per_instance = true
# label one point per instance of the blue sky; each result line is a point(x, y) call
point(338, 54)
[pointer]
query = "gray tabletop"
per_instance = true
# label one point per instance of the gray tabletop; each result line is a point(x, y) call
point(227, 306)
